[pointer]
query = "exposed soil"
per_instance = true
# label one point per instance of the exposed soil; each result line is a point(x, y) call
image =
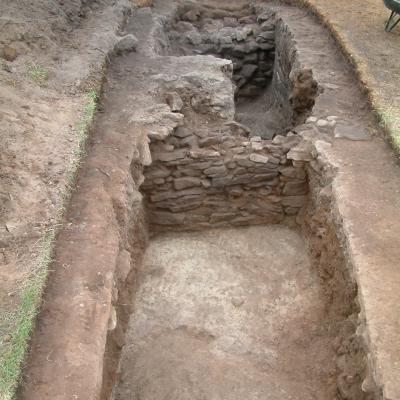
point(228, 314)
point(38, 124)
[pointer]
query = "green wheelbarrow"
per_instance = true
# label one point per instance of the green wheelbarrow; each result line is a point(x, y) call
point(394, 19)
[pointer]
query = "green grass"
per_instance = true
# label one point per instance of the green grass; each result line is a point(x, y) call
point(389, 119)
point(37, 73)
point(21, 322)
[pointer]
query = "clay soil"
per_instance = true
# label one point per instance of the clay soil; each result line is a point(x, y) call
point(228, 314)
point(51, 55)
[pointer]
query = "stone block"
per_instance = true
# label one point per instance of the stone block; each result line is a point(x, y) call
point(170, 155)
point(203, 153)
point(186, 182)
point(209, 141)
point(217, 170)
point(238, 129)
point(157, 197)
point(301, 152)
point(266, 36)
point(181, 132)
point(295, 188)
point(294, 173)
point(190, 141)
point(259, 158)
point(174, 101)
point(153, 173)
point(187, 171)
point(221, 181)
point(201, 165)
point(242, 160)
point(126, 44)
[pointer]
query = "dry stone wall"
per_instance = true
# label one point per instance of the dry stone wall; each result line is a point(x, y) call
point(294, 88)
point(248, 41)
point(263, 54)
point(219, 177)
point(207, 170)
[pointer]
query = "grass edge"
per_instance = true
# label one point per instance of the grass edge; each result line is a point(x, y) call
point(31, 294)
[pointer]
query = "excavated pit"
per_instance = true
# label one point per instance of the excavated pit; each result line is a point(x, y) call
point(236, 311)
point(243, 290)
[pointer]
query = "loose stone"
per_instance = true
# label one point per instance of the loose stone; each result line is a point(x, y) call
point(126, 44)
point(174, 101)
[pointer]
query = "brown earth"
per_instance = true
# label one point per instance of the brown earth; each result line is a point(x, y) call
point(52, 54)
point(77, 307)
point(228, 314)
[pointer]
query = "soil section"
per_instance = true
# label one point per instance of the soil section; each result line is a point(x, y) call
point(51, 54)
point(228, 314)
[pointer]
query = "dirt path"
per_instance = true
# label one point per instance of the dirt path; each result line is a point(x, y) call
point(359, 26)
point(228, 314)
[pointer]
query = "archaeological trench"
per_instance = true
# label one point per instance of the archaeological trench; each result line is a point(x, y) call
point(206, 253)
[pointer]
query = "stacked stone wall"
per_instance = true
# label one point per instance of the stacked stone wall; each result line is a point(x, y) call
point(249, 42)
point(293, 86)
point(263, 53)
point(209, 178)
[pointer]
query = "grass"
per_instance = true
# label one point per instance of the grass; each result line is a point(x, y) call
point(37, 73)
point(389, 119)
point(22, 320)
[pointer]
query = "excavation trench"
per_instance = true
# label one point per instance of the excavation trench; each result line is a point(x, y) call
point(242, 290)
point(236, 310)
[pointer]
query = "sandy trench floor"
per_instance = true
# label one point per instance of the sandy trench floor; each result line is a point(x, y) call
point(228, 314)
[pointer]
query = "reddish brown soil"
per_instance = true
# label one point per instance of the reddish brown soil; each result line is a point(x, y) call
point(38, 123)
point(68, 348)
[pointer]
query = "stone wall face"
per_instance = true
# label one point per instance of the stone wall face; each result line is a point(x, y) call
point(263, 53)
point(248, 41)
point(223, 179)
point(294, 88)
point(212, 171)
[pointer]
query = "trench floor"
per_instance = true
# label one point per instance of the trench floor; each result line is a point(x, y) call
point(228, 314)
